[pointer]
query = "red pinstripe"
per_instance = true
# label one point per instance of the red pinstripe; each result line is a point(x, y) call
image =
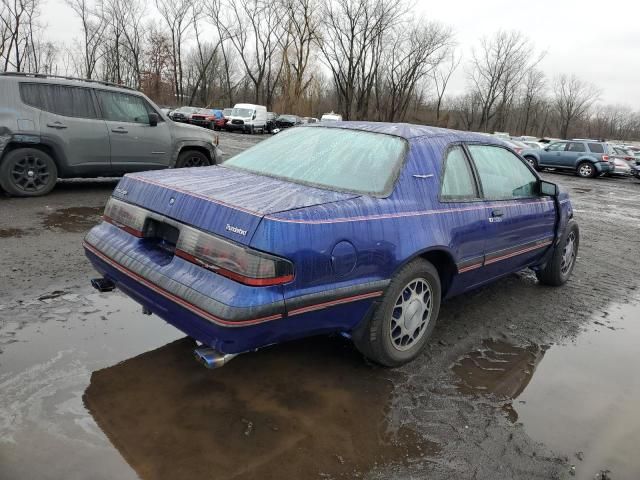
point(319, 306)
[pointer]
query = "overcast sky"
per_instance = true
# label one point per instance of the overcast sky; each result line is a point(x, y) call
point(598, 41)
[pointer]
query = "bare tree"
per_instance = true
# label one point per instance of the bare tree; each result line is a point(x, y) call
point(352, 46)
point(534, 84)
point(498, 66)
point(125, 31)
point(441, 77)
point(414, 50)
point(572, 99)
point(19, 23)
point(93, 26)
point(177, 15)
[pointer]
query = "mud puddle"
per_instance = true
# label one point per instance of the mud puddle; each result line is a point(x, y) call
point(73, 219)
point(12, 232)
point(580, 399)
point(80, 401)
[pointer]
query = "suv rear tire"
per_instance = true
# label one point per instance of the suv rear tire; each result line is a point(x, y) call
point(586, 170)
point(28, 172)
point(192, 158)
point(389, 337)
point(533, 162)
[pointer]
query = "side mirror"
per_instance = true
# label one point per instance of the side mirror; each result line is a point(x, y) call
point(254, 116)
point(153, 119)
point(546, 149)
point(549, 189)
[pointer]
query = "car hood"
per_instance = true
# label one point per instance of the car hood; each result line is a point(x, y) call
point(183, 131)
point(221, 200)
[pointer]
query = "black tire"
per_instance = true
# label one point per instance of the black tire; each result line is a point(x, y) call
point(558, 270)
point(586, 170)
point(380, 338)
point(192, 158)
point(28, 172)
point(533, 162)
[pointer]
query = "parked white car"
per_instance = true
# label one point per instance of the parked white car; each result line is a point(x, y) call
point(331, 117)
point(248, 118)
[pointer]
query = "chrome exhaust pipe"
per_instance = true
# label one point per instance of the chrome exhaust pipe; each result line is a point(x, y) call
point(211, 358)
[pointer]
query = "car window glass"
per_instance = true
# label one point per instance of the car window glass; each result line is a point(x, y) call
point(502, 174)
point(119, 107)
point(59, 99)
point(576, 147)
point(556, 147)
point(457, 181)
point(596, 147)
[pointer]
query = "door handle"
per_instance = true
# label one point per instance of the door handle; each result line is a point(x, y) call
point(57, 125)
point(497, 213)
point(119, 130)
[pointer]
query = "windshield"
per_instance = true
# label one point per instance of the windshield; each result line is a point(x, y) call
point(287, 118)
point(187, 109)
point(241, 112)
point(332, 158)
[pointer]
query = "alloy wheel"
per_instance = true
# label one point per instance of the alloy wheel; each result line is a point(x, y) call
point(586, 170)
point(568, 254)
point(195, 161)
point(411, 314)
point(30, 174)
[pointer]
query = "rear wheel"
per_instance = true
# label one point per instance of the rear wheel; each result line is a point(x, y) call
point(403, 321)
point(532, 161)
point(586, 170)
point(558, 270)
point(192, 158)
point(28, 172)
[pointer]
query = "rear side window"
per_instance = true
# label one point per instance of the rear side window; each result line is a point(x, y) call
point(576, 147)
point(59, 99)
point(596, 147)
point(120, 107)
point(556, 147)
point(457, 181)
point(502, 174)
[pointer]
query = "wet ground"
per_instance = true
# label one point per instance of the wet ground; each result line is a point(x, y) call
point(519, 381)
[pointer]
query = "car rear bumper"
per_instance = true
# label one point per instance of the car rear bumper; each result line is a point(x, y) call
point(223, 314)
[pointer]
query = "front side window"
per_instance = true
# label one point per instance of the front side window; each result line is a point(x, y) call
point(576, 147)
point(502, 174)
point(457, 181)
point(556, 147)
point(332, 158)
point(59, 99)
point(120, 107)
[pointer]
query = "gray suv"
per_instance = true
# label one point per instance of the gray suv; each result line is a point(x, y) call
point(54, 127)
point(587, 158)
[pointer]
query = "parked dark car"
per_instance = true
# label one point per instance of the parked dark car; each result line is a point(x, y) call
point(182, 114)
point(206, 117)
point(274, 244)
point(587, 158)
point(271, 121)
point(287, 121)
point(53, 127)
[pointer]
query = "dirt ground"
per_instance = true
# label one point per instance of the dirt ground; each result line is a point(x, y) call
point(519, 380)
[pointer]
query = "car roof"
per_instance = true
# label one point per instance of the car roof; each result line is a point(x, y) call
point(409, 131)
point(70, 81)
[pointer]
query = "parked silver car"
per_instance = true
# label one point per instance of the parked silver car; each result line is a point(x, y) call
point(54, 127)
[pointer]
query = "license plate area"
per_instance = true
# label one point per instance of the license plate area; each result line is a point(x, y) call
point(161, 235)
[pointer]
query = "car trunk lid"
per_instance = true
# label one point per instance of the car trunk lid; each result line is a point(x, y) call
point(224, 201)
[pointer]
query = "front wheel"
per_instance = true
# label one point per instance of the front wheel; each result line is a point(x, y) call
point(532, 161)
point(558, 270)
point(28, 172)
point(192, 158)
point(403, 321)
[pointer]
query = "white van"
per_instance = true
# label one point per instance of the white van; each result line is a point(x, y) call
point(248, 118)
point(331, 117)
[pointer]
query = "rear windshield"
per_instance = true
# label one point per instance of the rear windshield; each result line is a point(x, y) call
point(332, 158)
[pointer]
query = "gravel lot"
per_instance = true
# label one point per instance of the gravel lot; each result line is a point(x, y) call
point(519, 380)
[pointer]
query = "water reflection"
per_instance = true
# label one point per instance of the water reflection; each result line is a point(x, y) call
point(73, 219)
point(300, 410)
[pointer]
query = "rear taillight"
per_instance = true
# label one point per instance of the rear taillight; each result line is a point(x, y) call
point(518, 150)
point(605, 158)
point(126, 216)
point(231, 260)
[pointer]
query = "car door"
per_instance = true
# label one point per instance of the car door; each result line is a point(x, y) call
point(460, 195)
point(572, 153)
point(135, 144)
point(70, 125)
point(520, 221)
point(552, 155)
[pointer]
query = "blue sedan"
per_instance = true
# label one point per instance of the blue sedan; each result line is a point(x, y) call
point(355, 228)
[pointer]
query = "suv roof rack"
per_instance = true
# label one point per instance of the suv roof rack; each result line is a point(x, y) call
point(63, 77)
